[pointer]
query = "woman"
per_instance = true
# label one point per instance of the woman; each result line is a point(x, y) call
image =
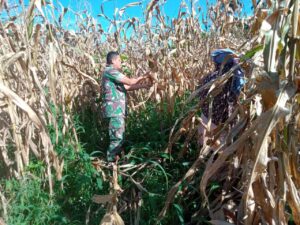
point(222, 103)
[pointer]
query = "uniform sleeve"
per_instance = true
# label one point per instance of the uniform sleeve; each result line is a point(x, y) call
point(115, 76)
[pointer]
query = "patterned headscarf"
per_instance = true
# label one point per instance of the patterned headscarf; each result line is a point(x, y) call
point(219, 55)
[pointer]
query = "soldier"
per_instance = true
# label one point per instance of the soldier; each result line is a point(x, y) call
point(114, 88)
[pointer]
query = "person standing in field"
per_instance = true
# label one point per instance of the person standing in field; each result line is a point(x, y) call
point(224, 102)
point(114, 90)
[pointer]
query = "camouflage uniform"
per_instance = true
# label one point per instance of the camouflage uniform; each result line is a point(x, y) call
point(114, 109)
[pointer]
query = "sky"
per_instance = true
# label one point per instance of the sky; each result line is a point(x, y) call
point(170, 7)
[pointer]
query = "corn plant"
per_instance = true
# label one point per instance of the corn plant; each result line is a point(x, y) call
point(256, 169)
point(49, 72)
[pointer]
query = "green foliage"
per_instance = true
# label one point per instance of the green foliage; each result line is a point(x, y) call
point(147, 135)
point(252, 52)
point(81, 180)
point(92, 134)
point(30, 200)
point(179, 212)
point(30, 204)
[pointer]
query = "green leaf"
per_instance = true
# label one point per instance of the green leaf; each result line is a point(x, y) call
point(166, 156)
point(162, 169)
point(252, 52)
point(214, 186)
point(99, 183)
point(127, 71)
point(123, 57)
point(30, 27)
point(186, 163)
point(179, 212)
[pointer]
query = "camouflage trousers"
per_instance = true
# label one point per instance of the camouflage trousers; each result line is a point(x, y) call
point(116, 129)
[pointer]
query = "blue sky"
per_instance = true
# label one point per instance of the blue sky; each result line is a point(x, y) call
point(170, 7)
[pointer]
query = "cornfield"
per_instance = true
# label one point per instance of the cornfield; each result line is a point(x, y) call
point(47, 69)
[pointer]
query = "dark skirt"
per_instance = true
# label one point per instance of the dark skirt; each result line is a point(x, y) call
point(220, 103)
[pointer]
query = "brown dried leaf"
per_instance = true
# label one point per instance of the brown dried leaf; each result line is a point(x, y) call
point(219, 222)
point(101, 199)
point(112, 218)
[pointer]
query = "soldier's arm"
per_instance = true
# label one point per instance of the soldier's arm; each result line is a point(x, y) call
point(140, 84)
point(121, 78)
point(136, 86)
point(132, 81)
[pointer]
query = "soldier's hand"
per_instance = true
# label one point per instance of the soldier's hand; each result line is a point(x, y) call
point(150, 76)
point(148, 86)
point(146, 76)
point(150, 83)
